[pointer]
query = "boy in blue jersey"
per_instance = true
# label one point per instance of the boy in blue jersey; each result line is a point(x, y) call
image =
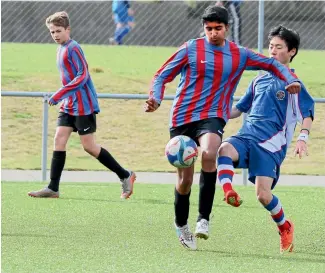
point(78, 110)
point(210, 69)
point(261, 144)
point(123, 16)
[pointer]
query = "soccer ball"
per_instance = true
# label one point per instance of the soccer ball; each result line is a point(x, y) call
point(181, 151)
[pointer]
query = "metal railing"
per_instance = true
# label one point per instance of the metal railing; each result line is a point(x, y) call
point(46, 97)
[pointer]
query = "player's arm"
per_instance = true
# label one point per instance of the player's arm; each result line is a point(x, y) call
point(306, 106)
point(167, 73)
point(256, 61)
point(77, 82)
point(235, 112)
point(245, 102)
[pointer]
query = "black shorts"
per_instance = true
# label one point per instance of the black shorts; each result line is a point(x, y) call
point(82, 124)
point(197, 128)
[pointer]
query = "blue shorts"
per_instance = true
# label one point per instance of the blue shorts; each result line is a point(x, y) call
point(122, 18)
point(256, 159)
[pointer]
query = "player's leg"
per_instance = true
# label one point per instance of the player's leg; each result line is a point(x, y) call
point(232, 150)
point(182, 207)
point(62, 134)
point(272, 203)
point(209, 133)
point(86, 126)
point(266, 171)
point(122, 27)
point(182, 195)
point(209, 144)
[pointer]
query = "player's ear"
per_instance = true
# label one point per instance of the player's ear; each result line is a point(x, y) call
point(292, 52)
point(227, 27)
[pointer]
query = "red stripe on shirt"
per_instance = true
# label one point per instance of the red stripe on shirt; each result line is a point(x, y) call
point(217, 76)
point(170, 77)
point(268, 67)
point(200, 70)
point(89, 99)
point(182, 96)
point(71, 76)
point(235, 57)
point(235, 53)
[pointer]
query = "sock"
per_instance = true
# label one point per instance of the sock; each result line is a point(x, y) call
point(275, 208)
point(120, 33)
point(207, 189)
point(182, 208)
point(225, 172)
point(109, 162)
point(57, 165)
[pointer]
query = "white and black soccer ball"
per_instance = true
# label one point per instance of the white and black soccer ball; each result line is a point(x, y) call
point(181, 151)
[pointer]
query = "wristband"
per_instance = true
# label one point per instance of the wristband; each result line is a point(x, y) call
point(303, 137)
point(304, 129)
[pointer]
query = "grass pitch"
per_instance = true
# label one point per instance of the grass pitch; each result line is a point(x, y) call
point(135, 138)
point(89, 229)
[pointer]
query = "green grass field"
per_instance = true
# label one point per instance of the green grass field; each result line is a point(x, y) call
point(89, 229)
point(135, 138)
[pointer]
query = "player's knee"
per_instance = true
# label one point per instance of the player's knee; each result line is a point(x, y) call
point(89, 149)
point(60, 142)
point(263, 197)
point(184, 185)
point(209, 156)
point(224, 149)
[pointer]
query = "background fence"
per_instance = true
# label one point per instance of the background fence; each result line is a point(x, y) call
point(158, 23)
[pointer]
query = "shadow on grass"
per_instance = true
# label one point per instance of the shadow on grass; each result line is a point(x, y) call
point(290, 256)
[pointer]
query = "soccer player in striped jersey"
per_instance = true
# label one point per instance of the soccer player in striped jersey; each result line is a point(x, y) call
point(262, 142)
point(78, 110)
point(210, 69)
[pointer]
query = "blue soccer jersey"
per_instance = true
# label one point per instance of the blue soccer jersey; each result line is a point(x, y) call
point(273, 114)
point(78, 94)
point(209, 78)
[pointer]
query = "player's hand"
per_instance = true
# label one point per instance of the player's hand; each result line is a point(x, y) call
point(293, 88)
point(301, 148)
point(52, 102)
point(151, 105)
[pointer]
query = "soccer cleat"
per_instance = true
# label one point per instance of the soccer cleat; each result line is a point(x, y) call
point(202, 229)
point(286, 239)
point(186, 237)
point(44, 193)
point(127, 185)
point(233, 199)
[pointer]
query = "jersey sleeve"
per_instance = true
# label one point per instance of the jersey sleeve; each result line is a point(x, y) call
point(256, 61)
point(78, 60)
point(245, 102)
point(167, 73)
point(306, 104)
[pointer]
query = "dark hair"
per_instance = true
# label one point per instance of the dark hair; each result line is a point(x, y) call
point(215, 14)
point(289, 36)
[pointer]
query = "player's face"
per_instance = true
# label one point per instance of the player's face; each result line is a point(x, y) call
point(279, 50)
point(59, 34)
point(215, 32)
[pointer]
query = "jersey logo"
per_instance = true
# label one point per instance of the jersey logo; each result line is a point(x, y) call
point(203, 62)
point(280, 95)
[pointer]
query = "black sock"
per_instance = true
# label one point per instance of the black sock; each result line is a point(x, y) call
point(182, 208)
point(57, 165)
point(206, 195)
point(109, 162)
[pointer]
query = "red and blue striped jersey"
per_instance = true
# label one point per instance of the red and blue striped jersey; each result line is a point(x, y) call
point(78, 94)
point(209, 78)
